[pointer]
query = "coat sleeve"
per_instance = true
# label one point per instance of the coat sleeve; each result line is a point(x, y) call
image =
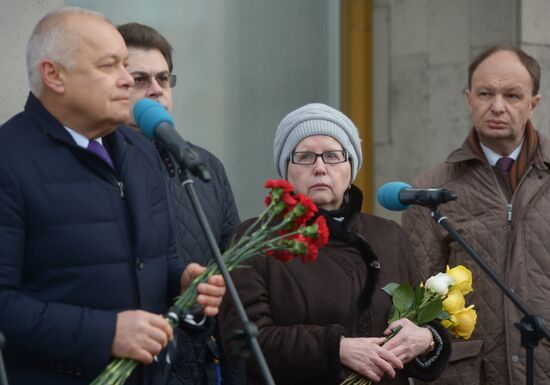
point(294, 353)
point(50, 334)
point(434, 364)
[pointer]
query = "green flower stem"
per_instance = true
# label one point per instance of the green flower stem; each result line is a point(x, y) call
point(129, 369)
point(187, 298)
point(427, 299)
point(234, 260)
point(257, 237)
point(116, 373)
point(260, 235)
point(286, 235)
point(251, 246)
point(256, 245)
point(355, 379)
point(248, 232)
point(410, 314)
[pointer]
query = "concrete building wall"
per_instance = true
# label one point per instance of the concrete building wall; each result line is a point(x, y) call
point(17, 18)
point(534, 36)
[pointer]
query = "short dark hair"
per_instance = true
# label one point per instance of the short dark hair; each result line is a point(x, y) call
point(142, 36)
point(529, 62)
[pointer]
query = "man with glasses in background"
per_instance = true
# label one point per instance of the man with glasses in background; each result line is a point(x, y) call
point(150, 64)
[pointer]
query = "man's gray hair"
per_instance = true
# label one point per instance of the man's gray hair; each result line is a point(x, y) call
point(51, 39)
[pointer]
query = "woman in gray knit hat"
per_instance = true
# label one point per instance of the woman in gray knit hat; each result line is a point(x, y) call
point(320, 321)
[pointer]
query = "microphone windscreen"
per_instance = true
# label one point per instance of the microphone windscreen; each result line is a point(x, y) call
point(148, 114)
point(388, 196)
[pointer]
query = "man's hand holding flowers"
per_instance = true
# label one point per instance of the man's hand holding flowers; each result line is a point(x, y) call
point(140, 335)
point(209, 293)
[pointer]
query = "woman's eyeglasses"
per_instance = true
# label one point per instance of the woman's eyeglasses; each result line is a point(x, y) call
point(328, 157)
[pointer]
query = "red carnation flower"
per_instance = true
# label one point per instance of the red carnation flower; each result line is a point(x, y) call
point(322, 232)
point(311, 209)
point(305, 210)
point(281, 255)
point(279, 183)
point(311, 254)
point(289, 200)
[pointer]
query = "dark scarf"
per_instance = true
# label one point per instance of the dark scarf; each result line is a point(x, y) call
point(527, 153)
point(343, 231)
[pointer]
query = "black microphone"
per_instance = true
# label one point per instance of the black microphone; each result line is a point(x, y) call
point(155, 121)
point(397, 196)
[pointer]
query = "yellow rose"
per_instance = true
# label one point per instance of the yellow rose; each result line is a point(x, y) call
point(462, 277)
point(449, 323)
point(454, 301)
point(465, 322)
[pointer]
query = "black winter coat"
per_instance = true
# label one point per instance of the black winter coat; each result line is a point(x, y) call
point(217, 202)
point(196, 349)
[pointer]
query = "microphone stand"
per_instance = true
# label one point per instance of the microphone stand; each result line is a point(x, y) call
point(249, 331)
point(3, 377)
point(532, 327)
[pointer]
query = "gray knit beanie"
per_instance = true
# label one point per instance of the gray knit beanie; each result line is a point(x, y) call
point(315, 119)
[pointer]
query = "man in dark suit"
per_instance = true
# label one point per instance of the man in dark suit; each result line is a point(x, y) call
point(87, 253)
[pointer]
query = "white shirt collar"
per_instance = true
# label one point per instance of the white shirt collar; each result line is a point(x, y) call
point(80, 139)
point(492, 156)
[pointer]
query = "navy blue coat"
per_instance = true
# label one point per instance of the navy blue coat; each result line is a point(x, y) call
point(79, 242)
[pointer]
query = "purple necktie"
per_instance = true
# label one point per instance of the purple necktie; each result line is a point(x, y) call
point(505, 165)
point(95, 147)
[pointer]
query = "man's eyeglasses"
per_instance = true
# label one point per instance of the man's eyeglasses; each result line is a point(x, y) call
point(143, 80)
point(329, 157)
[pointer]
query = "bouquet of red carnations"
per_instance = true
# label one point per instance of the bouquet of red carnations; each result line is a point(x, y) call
point(281, 231)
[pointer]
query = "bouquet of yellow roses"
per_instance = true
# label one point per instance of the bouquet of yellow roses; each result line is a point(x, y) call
point(441, 297)
point(462, 320)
